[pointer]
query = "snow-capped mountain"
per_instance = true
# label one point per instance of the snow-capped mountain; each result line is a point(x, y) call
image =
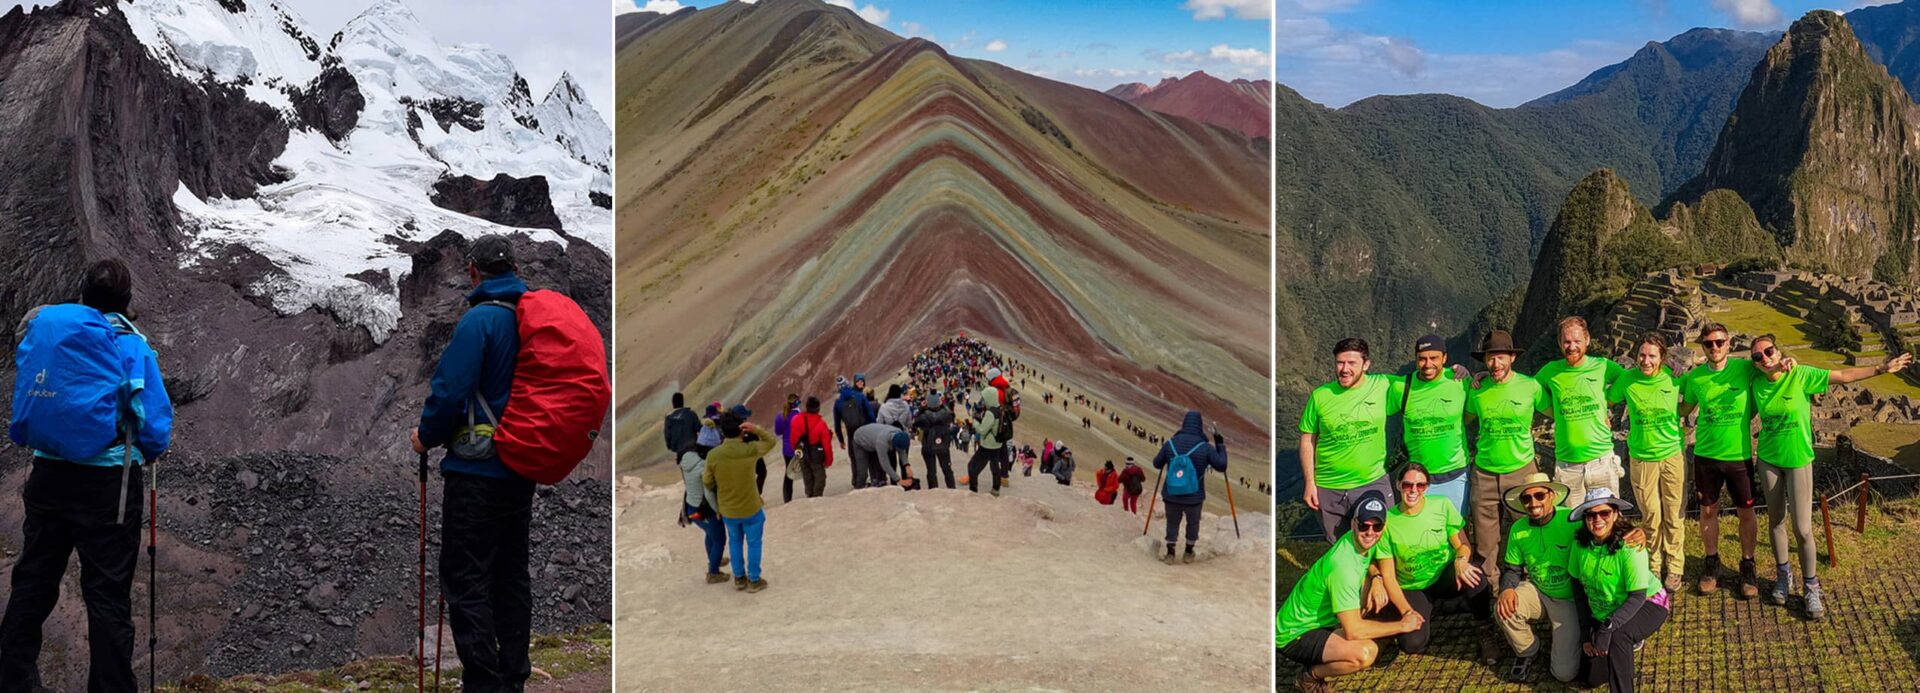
point(378, 114)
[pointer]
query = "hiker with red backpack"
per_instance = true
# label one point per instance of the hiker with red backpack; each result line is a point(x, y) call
point(1185, 459)
point(539, 352)
point(89, 401)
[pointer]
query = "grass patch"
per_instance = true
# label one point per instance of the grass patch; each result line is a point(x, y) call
point(586, 649)
point(1756, 318)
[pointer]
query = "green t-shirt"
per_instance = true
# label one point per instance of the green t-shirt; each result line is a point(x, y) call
point(1542, 550)
point(1724, 429)
point(1578, 396)
point(1608, 576)
point(1786, 415)
point(1351, 450)
point(1505, 422)
point(1432, 426)
point(1331, 586)
point(1421, 545)
point(1653, 413)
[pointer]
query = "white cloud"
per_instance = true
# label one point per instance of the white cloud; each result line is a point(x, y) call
point(661, 6)
point(873, 14)
point(1218, 9)
point(996, 46)
point(1750, 14)
point(1220, 54)
point(1315, 39)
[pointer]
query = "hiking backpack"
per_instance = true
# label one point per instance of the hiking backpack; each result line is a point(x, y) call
point(560, 389)
point(1182, 478)
point(69, 382)
point(1005, 413)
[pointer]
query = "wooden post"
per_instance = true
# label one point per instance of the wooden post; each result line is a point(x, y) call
point(1860, 521)
point(1833, 552)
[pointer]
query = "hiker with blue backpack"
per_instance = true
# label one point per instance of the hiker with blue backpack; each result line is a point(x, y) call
point(1184, 460)
point(518, 398)
point(89, 401)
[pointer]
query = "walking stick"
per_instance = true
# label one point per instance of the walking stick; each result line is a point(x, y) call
point(1236, 513)
point(1158, 475)
point(420, 646)
point(153, 539)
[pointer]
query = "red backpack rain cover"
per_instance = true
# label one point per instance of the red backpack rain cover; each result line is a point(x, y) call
point(560, 390)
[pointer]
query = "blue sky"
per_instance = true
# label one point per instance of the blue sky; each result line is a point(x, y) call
point(1497, 52)
point(1093, 44)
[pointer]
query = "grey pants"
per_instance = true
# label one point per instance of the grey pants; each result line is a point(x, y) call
point(1335, 505)
point(1191, 514)
point(1790, 494)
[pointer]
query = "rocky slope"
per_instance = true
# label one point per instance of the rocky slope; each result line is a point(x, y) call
point(1244, 106)
point(270, 189)
point(803, 194)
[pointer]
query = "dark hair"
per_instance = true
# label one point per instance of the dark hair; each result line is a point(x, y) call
point(1654, 339)
point(729, 425)
point(893, 391)
point(108, 286)
point(679, 400)
point(1621, 528)
point(813, 405)
point(1109, 465)
point(1414, 467)
point(1351, 344)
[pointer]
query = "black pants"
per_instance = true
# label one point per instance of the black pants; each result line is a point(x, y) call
point(72, 507)
point(1616, 669)
point(483, 571)
point(760, 476)
point(786, 483)
point(813, 472)
point(1478, 602)
point(938, 459)
point(1176, 511)
point(983, 460)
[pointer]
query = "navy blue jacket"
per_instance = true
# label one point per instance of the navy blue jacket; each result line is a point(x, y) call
point(480, 355)
point(1207, 455)
point(846, 421)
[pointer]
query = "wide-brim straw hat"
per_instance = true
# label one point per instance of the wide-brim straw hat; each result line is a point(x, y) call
point(1596, 498)
point(1536, 479)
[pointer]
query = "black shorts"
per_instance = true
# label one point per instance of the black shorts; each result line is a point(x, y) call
point(1710, 474)
point(1310, 648)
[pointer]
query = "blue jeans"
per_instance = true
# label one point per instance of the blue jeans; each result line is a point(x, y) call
point(716, 539)
point(1455, 490)
point(746, 564)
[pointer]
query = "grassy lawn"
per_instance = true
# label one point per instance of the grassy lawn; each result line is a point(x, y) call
point(561, 655)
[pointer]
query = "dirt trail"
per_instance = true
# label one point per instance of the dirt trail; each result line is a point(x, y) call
point(883, 589)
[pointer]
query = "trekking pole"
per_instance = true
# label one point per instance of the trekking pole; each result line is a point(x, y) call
point(420, 648)
point(1158, 475)
point(439, 648)
point(153, 540)
point(1235, 513)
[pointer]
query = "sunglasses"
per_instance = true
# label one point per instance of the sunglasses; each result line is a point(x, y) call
point(1370, 527)
point(1598, 514)
point(1413, 484)
point(1536, 495)
point(1770, 352)
point(1715, 343)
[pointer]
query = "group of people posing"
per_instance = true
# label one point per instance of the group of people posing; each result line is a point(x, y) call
point(1556, 547)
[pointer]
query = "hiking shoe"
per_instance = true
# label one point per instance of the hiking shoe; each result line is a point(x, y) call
point(739, 583)
point(1709, 580)
point(996, 493)
point(1188, 556)
point(1522, 669)
point(1816, 608)
point(1749, 584)
point(1782, 584)
point(1673, 583)
point(1167, 559)
point(756, 585)
point(1491, 651)
point(1308, 684)
point(716, 578)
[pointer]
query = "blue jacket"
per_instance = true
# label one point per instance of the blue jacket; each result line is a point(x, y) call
point(1206, 455)
point(846, 422)
point(480, 355)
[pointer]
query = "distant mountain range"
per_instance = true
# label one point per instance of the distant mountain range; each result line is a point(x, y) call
point(1403, 215)
point(1242, 105)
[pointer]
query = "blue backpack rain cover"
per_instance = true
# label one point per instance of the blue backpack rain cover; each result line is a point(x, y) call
point(68, 382)
point(1182, 478)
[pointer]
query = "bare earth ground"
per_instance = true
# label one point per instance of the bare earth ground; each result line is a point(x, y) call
point(1869, 641)
point(883, 589)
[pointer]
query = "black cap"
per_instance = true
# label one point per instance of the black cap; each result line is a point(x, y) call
point(1431, 342)
point(492, 253)
point(1371, 506)
point(740, 411)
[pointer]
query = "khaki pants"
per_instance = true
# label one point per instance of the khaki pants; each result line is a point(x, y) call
point(1491, 516)
point(1564, 614)
point(1659, 486)
point(1585, 476)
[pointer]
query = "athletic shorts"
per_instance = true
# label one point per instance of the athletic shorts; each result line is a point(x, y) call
point(1710, 474)
point(1310, 648)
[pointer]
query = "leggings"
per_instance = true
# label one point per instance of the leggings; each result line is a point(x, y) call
point(1790, 494)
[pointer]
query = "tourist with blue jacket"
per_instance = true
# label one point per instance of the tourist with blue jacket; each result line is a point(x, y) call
point(1184, 459)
